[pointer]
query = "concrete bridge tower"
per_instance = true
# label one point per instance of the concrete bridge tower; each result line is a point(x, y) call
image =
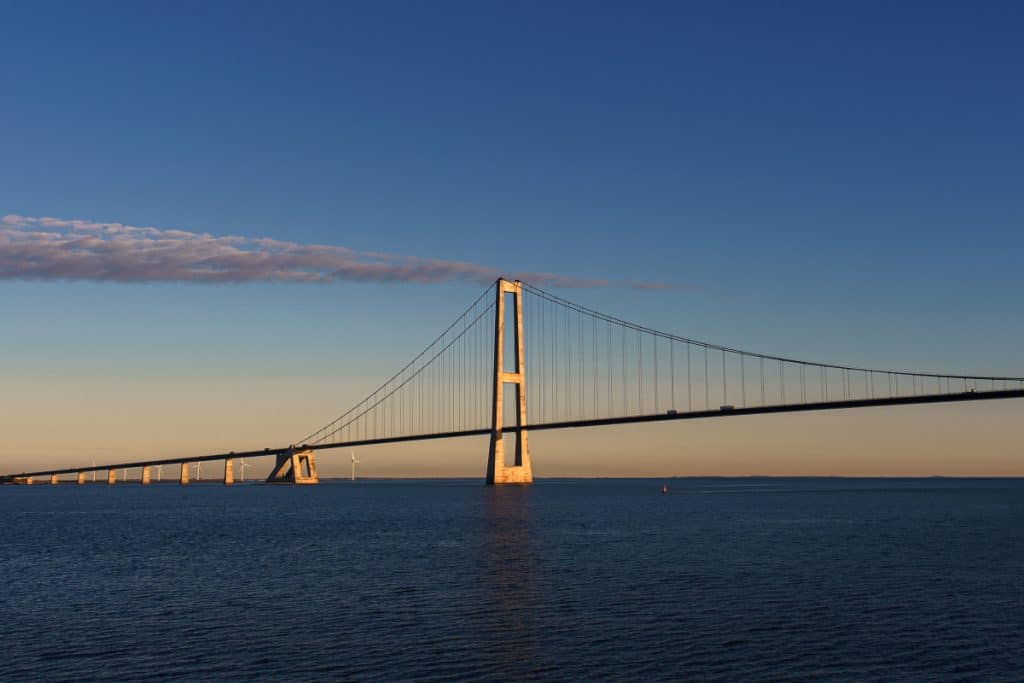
point(497, 471)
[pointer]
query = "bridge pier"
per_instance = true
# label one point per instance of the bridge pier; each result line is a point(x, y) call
point(183, 480)
point(111, 476)
point(145, 476)
point(294, 468)
point(81, 478)
point(521, 471)
point(53, 480)
point(229, 472)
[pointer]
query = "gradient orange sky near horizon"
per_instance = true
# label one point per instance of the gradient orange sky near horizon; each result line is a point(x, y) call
point(68, 421)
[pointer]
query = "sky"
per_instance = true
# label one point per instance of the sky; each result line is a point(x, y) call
point(831, 181)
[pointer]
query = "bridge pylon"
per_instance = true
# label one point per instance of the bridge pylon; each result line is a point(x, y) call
point(497, 471)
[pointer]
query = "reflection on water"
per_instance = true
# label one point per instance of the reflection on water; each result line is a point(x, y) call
point(508, 579)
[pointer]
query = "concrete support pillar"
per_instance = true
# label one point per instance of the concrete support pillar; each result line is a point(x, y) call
point(145, 476)
point(81, 478)
point(521, 471)
point(53, 480)
point(111, 476)
point(184, 474)
point(289, 468)
point(229, 473)
point(309, 477)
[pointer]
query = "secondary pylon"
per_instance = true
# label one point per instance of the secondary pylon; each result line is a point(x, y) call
point(497, 471)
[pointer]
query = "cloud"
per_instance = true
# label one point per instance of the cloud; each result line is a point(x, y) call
point(47, 248)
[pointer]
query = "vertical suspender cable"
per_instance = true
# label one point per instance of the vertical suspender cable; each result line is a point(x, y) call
point(782, 382)
point(743, 381)
point(689, 381)
point(593, 343)
point(608, 371)
point(725, 395)
point(707, 389)
point(639, 374)
point(625, 405)
point(582, 365)
point(568, 368)
point(655, 340)
point(761, 358)
point(672, 368)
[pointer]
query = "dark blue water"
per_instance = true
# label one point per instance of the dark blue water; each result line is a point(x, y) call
point(735, 579)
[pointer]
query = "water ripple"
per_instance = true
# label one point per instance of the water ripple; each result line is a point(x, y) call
point(721, 580)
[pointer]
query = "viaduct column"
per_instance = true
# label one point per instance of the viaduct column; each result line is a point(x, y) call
point(497, 471)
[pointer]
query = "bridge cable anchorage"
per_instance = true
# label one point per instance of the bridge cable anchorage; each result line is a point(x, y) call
point(454, 387)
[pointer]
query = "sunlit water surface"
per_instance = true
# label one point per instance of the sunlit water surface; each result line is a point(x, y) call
point(735, 579)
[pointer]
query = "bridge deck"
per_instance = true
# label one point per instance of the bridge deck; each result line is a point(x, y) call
point(567, 424)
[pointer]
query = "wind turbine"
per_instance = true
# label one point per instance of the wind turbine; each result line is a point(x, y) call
point(241, 469)
point(354, 461)
point(159, 472)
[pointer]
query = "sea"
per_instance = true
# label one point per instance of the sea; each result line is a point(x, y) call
point(743, 579)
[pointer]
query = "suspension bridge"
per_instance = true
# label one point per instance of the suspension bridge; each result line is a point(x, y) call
point(518, 347)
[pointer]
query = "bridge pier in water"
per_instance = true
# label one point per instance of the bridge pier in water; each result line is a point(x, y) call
point(520, 472)
point(229, 473)
point(53, 480)
point(111, 476)
point(145, 476)
point(294, 468)
point(183, 479)
point(81, 478)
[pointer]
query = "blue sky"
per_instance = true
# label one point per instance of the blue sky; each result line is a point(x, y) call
point(838, 181)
